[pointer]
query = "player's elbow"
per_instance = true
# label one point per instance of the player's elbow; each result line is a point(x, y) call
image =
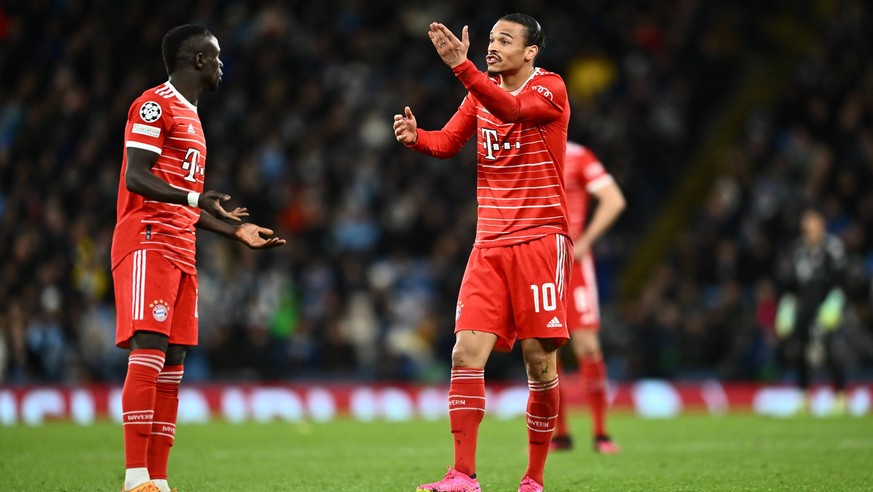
point(614, 199)
point(448, 154)
point(450, 149)
point(511, 115)
point(133, 182)
point(620, 203)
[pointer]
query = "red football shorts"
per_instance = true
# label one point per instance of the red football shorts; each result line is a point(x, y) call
point(583, 306)
point(517, 292)
point(152, 294)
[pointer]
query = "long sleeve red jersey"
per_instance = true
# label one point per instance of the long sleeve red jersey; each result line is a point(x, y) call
point(521, 145)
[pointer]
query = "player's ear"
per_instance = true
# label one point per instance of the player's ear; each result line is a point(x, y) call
point(198, 61)
point(531, 52)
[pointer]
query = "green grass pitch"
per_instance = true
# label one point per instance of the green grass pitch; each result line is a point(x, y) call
point(690, 453)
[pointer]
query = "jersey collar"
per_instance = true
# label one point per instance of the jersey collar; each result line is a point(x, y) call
point(180, 96)
point(522, 86)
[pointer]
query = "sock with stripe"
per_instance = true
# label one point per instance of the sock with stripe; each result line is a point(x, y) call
point(466, 410)
point(137, 407)
point(594, 386)
point(164, 424)
point(542, 411)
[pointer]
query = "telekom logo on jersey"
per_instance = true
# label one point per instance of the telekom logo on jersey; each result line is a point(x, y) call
point(491, 142)
point(192, 164)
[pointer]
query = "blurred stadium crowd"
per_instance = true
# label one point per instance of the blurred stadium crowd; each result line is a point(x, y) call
point(300, 133)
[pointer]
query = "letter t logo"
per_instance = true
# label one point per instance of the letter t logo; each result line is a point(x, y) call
point(489, 138)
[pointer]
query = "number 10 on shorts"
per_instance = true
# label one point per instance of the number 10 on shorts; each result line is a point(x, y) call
point(546, 294)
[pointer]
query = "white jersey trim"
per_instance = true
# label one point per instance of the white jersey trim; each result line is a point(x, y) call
point(532, 75)
point(179, 95)
point(600, 183)
point(138, 284)
point(140, 145)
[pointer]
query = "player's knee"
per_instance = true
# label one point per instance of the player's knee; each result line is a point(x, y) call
point(149, 340)
point(465, 355)
point(540, 364)
point(586, 345)
point(589, 352)
point(175, 355)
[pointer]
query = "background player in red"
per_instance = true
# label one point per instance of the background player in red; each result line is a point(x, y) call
point(160, 203)
point(514, 283)
point(584, 176)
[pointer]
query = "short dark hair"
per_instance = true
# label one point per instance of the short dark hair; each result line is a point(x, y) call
point(173, 41)
point(533, 32)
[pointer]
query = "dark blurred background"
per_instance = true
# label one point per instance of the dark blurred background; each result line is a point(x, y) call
point(719, 120)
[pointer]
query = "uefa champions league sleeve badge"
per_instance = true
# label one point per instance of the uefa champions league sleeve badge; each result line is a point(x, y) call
point(150, 111)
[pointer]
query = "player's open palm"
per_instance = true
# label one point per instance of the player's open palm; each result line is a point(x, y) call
point(256, 237)
point(405, 127)
point(452, 50)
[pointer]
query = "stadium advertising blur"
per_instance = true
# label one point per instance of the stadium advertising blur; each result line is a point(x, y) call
point(34, 405)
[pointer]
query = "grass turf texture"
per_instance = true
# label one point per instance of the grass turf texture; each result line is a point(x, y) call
point(690, 453)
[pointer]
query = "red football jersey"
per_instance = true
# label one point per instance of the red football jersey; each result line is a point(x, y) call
point(583, 175)
point(521, 138)
point(162, 121)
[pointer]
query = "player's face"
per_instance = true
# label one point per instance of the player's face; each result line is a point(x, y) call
point(211, 64)
point(506, 49)
point(813, 226)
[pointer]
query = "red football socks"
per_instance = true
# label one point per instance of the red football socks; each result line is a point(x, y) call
point(542, 411)
point(138, 403)
point(466, 409)
point(163, 429)
point(594, 386)
point(561, 422)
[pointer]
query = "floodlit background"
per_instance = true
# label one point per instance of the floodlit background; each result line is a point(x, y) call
point(718, 121)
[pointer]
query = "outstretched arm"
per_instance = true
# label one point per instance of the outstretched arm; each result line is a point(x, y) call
point(139, 179)
point(253, 236)
point(442, 143)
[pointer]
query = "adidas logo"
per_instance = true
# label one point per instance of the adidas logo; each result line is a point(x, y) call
point(554, 323)
point(191, 128)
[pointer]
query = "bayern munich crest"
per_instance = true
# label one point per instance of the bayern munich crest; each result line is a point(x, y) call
point(150, 111)
point(160, 310)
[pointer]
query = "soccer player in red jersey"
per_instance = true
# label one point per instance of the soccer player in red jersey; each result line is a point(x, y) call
point(514, 284)
point(160, 203)
point(584, 176)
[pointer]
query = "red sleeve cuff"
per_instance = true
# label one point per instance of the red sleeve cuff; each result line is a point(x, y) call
point(466, 71)
point(418, 145)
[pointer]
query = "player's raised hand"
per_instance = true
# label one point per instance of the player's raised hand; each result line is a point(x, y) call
point(253, 236)
point(452, 50)
point(405, 128)
point(210, 201)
